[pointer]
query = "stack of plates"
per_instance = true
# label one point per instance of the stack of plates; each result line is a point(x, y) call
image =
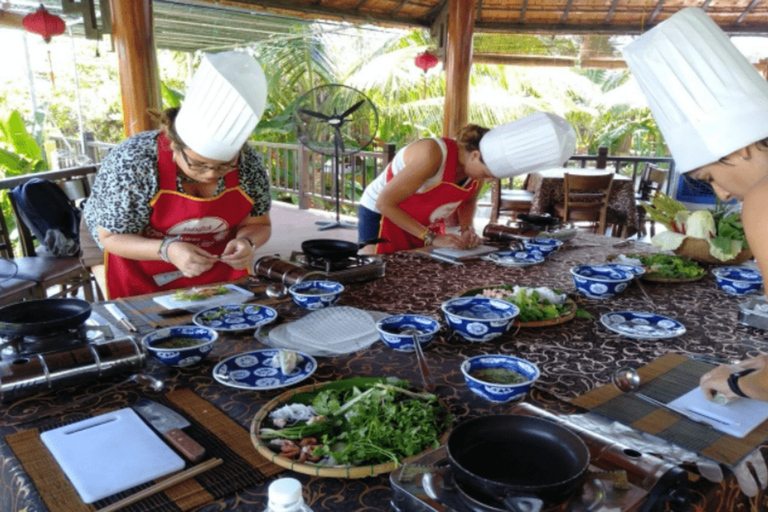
point(327, 332)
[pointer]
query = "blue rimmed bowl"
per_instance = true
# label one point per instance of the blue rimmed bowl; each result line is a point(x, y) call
point(545, 246)
point(316, 294)
point(401, 332)
point(738, 280)
point(473, 369)
point(479, 319)
point(182, 345)
point(600, 281)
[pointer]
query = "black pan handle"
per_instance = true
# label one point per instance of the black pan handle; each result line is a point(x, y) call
point(373, 241)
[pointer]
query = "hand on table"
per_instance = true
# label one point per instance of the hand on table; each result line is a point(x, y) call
point(190, 259)
point(448, 240)
point(237, 254)
point(470, 240)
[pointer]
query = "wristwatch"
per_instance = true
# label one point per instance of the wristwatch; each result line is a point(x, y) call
point(733, 381)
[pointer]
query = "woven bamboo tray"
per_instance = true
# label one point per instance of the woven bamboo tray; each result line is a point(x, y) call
point(655, 278)
point(697, 249)
point(308, 468)
point(567, 317)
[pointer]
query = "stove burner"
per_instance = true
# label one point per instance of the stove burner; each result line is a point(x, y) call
point(329, 265)
point(20, 346)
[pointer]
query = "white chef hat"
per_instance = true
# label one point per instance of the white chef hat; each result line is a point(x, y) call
point(533, 142)
point(708, 100)
point(223, 105)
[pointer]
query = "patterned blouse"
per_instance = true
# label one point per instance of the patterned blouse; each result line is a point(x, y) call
point(127, 182)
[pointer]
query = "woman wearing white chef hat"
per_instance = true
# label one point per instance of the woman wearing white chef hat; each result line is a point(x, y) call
point(186, 205)
point(712, 107)
point(430, 179)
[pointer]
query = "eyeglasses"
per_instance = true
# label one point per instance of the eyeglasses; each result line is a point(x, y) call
point(218, 168)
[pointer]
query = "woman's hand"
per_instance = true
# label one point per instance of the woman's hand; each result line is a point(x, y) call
point(238, 253)
point(190, 259)
point(469, 239)
point(448, 240)
point(715, 382)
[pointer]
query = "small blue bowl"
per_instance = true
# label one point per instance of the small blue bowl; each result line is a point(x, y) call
point(738, 280)
point(545, 246)
point(495, 392)
point(316, 294)
point(400, 332)
point(180, 356)
point(478, 318)
point(600, 281)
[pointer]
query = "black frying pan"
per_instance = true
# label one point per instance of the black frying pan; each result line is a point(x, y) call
point(335, 250)
point(44, 316)
point(509, 457)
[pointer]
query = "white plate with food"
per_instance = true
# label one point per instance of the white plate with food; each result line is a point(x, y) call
point(263, 369)
point(199, 298)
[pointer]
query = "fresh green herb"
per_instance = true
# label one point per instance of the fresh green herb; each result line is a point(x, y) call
point(384, 422)
point(668, 265)
point(200, 293)
point(533, 307)
point(498, 375)
point(583, 313)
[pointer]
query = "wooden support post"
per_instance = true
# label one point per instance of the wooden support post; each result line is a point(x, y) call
point(133, 36)
point(458, 64)
point(303, 177)
point(602, 157)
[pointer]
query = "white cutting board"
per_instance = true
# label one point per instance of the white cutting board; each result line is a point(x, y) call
point(110, 453)
point(737, 418)
point(236, 295)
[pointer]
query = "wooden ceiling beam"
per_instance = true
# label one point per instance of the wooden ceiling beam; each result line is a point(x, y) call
point(522, 11)
point(398, 7)
point(600, 28)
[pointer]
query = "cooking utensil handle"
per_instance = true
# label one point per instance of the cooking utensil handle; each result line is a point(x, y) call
point(188, 447)
point(426, 375)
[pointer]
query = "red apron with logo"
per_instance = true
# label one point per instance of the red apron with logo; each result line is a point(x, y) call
point(208, 222)
point(430, 207)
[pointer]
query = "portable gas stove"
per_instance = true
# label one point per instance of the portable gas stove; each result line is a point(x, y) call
point(300, 267)
point(15, 347)
point(618, 479)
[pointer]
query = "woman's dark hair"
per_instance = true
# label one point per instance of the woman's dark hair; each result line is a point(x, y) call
point(469, 136)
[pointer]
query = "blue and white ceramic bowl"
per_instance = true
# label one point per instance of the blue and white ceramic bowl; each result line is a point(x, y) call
point(499, 392)
point(479, 318)
point(637, 270)
point(600, 281)
point(182, 334)
point(738, 280)
point(516, 258)
point(545, 246)
point(316, 294)
point(400, 332)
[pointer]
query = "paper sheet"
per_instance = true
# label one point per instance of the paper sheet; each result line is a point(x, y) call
point(737, 418)
point(464, 253)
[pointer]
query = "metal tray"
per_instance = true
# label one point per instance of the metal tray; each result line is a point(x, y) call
point(754, 313)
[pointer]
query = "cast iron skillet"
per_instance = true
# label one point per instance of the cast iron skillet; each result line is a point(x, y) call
point(335, 250)
point(539, 220)
point(513, 458)
point(44, 316)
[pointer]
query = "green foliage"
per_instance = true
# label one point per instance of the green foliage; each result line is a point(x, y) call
point(19, 151)
point(172, 98)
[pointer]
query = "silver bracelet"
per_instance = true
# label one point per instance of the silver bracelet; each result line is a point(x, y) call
point(162, 251)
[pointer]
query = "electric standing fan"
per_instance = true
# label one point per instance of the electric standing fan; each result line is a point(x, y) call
point(335, 120)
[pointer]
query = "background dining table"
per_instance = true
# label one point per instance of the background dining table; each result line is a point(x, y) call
point(547, 188)
point(574, 358)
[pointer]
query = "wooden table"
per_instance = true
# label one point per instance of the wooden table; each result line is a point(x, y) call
point(574, 357)
point(547, 188)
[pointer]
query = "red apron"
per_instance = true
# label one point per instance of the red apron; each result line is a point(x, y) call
point(430, 207)
point(208, 222)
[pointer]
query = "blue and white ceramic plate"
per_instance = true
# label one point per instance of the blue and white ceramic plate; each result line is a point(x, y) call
point(235, 317)
point(641, 325)
point(516, 258)
point(258, 370)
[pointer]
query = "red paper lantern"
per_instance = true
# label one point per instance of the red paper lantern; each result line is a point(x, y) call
point(425, 61)
point(44, 23)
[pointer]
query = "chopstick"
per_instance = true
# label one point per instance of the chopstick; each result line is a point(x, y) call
point(128, 325)
point(645, 291)
point(426, 375)
point(160, 486)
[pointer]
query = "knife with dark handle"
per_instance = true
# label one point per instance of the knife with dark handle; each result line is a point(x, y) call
point(169, 423)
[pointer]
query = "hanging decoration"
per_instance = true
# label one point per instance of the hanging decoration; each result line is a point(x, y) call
point(47, 25)
point(425, 61)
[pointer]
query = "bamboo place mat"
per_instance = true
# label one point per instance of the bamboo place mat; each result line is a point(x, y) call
point(666, 379)
point(221, 437)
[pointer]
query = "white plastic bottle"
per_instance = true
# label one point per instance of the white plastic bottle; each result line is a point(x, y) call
point(284, 495)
